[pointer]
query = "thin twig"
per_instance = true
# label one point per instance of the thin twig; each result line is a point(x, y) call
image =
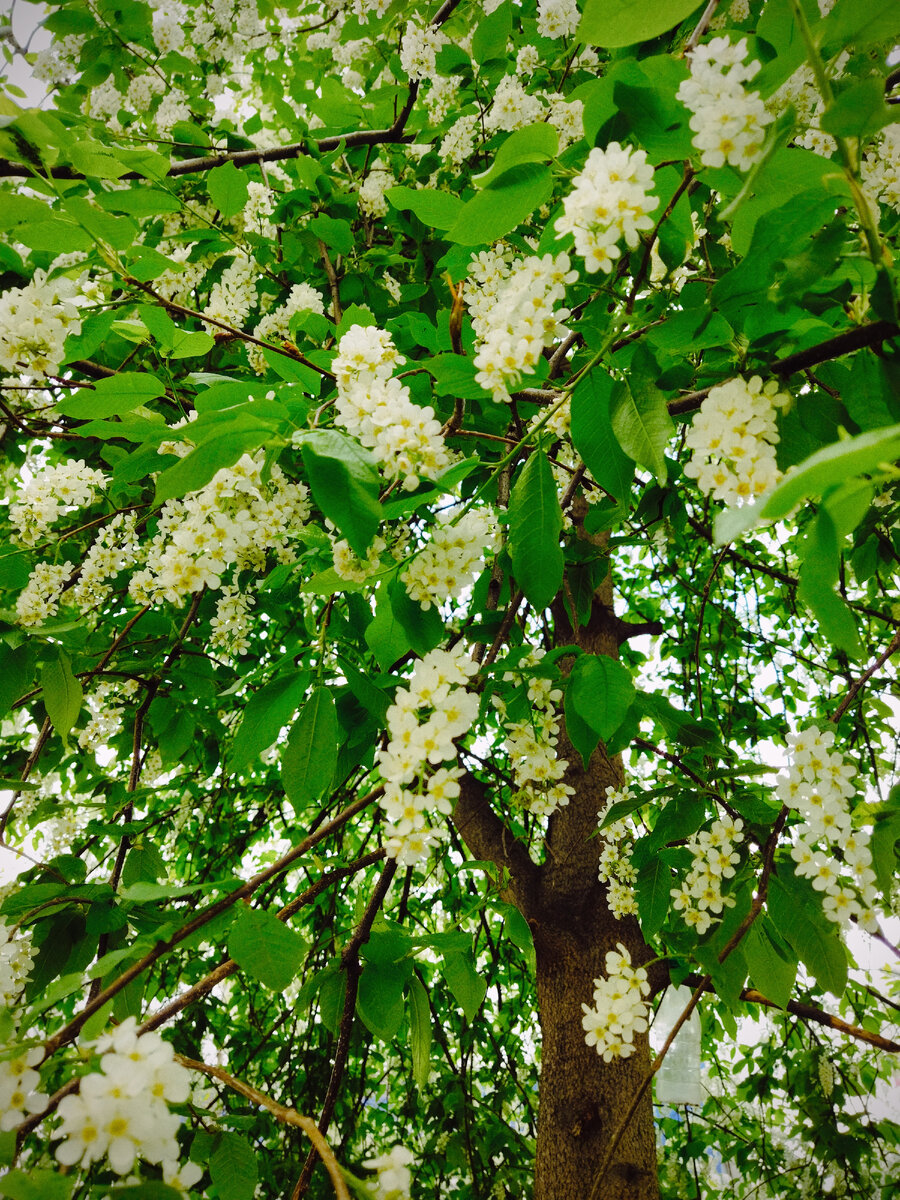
point(853, 690)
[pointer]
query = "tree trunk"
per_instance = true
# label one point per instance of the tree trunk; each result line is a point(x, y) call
point(582, 1099)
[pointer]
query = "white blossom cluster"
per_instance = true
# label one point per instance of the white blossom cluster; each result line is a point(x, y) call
point(116, 548)
point(106, 705)
point(20, 1094)
point(700, 897)
point(513, 315)
point(733, 439)
point(422, 723)
point(531, 742)
point(39, 599)
point(394, 1176)
point(615, 869)
point(802, 93)
point(418, 50)
point(881, 168)
point(350, 566)
point(372, 200)
point(121, 1113)
point(819, 785)
point(275, 326)
point(728, 121)
point(513, 107)
point(35, 321)
point(452, 558)
point(619, 1010)
point(233, 522)
point(610, 202)
point(231, 624)
point(16, 961)
point(557, 18)
point(405, 437)
point(459, 141)
point(232, 296)
point(51, 493)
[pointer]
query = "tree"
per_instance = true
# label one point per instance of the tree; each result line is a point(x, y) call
point(447, 596)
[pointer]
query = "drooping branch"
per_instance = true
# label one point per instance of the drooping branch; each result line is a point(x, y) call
point(808, 1012)
point(490, 840)
point(892, 647)
point(287, 1116)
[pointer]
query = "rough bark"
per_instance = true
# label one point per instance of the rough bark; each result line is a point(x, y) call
point(581, 1099)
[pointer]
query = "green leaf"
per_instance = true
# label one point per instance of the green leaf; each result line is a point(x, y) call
point(196, 469)
point(36, 1185)
point(593, 436)
point(504, 205)
point(434, 208)
point(118, 232)
point(385, 634)
point(267, 712)
point(492, 34)
point(532, 143)
point(867, 454)
point(310, 756)
point(420, 1032)
point(641, 422)
point(599, 692)
point(859, 110)
point(227, 188)
point(468, 987)
point(333, 231)
point(853, 23)
point(145, 1191)
point(883, 846)
point(652, 887)
point(379, 1000)
point(232, 1165)
point(535, 522)
point(813, 938)
point(112, 397)
point(454, 375)
point(144, 864)
point(62, 694)
point(772, 971)
point(266, 948)
point(16, 674)
point(614, 23)
point(344, 484)
point(819, 574)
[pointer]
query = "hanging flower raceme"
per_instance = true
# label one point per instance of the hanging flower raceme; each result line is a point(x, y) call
point(615, 869)
point(451, 559)
point(733, 438)
point(275, 326)
point(700, 898)
point(121, 1113)
point(376, 408)
point(609, 203)
point(34, 323)
point(728, 122)
point(16, 961)
point(423, 722)
point(513, 315)
point(619, 1010)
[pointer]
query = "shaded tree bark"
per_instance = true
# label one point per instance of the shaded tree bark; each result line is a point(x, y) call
point(582, 1099)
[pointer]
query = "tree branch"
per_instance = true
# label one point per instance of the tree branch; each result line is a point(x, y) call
point(892, 648)
point(489, 839)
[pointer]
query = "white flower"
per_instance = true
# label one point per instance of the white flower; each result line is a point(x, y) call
point(557, 18)
point(34, 323)
point(728, 122)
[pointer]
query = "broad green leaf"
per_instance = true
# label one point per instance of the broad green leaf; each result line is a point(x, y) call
point(642, 425)
point(532, 143)
point(145, 1191)
point(419, 1032)
point(884, 849)
point(16, 674)
point(859, 110)
point(118, 232)
point(36, 1184)
point(233, 1167)
point(518, 931)
point(227, 188)
point(310, 756)
point(144, 864)
point(62, 694)
point(434, 208)
point(385, 635)
point(811, 936)
point(196, 469)
point(139, 202)
point(599, 692)
point(454, 375)
point(506, 203)
point(333, 231)
point(652, 888)
point(853, 23)
point(379, 1000)
point(266, 948)
point(492, 34)
point(614, 23)
point(424, 627)
point(819, 575)
point(267, 712)
point(593, 436)
point(535, 522)
point(111, 397)
point(868, 454)
point(772, 972)
point(344, 484)
point(467, 986)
